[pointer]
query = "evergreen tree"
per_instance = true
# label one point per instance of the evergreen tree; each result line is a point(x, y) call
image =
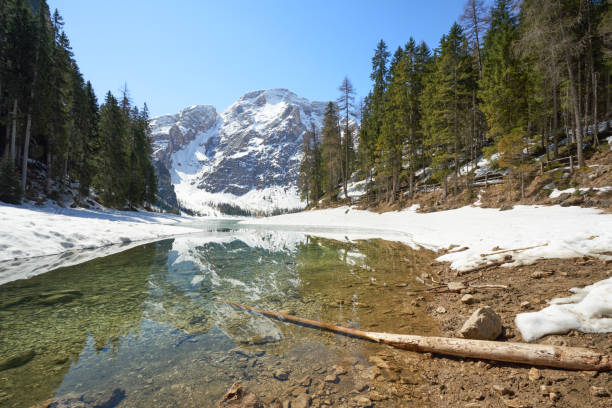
point(446, 102)
point(306, 169)
point(373, 110)
point(395, 125)
point(309, 178)
point(331, 152)
point(114, 153)
point(503, 88)
point(346, 105)
point(506, 88)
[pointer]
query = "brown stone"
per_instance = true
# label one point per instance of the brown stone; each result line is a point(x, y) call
point(239, 397)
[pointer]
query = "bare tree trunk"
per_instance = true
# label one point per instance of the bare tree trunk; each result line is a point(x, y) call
point(7, 150)
point(411, 183)
point(555, 122)
point(607, 93)
point(595, 118)
point(14, 132)
point(587, 101)
point(576, 105)
point(48, 177)
point(26, 143)
point(1, 109)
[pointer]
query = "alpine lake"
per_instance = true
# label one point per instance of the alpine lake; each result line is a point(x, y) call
point(146, 327)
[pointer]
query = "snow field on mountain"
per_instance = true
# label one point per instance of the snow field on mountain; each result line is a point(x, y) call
point(245, 158)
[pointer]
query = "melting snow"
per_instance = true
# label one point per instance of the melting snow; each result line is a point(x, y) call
point(589, 310)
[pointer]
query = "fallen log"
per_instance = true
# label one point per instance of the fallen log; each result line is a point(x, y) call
point(513, 250)
point(568, 358)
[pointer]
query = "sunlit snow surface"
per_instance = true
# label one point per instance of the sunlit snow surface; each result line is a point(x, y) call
point(588, 310)
point(567, 232)
point(51, 236)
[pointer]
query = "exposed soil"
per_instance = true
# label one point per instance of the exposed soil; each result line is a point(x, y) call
point(461, 382)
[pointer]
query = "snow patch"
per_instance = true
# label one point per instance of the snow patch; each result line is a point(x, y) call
point(588, 310)
point(600, 190)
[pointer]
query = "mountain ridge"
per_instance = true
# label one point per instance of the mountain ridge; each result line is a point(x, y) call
point(247, 157)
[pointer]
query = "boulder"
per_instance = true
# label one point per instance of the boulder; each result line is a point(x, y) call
point(484, 324)
point(574, 200)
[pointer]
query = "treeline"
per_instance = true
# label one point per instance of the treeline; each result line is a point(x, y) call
point(50, 115)
point(509, 78)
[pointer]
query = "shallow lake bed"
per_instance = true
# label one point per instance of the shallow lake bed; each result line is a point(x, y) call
point(145, 327)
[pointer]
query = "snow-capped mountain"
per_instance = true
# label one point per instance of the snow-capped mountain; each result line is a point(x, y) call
point(247, 157)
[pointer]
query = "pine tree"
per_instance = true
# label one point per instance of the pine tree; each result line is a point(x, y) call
point(114, 153)
point(306, 169)
point(395, 125)
point(373, 110)
point(346, 105)
point(19, 56)
point(446, 102)
point(506, 89)
point(502, 89)
point(331, 149)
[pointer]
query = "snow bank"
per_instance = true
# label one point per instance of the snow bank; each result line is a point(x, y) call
point(589, 310)
point(29, 231)
point(568, 232)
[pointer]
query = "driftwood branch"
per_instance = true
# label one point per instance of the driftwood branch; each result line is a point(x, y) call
point(483, 267)
point(487, 286)
point(503, 251)
point(568, 358)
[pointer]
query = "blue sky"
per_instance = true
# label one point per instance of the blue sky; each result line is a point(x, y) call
point(174, 54)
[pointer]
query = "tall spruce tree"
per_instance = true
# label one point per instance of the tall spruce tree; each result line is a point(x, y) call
point(346, 105)
point(113, 131)
point(373, 110)
point(395, 125)
point(331, 152)
point(446, 102)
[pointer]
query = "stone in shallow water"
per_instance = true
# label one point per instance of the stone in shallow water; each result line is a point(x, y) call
point(60, 297)
point(239, 397)
point(16, 360)
point(282, 374)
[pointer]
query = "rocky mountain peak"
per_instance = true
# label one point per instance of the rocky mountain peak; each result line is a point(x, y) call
point(247, 157)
